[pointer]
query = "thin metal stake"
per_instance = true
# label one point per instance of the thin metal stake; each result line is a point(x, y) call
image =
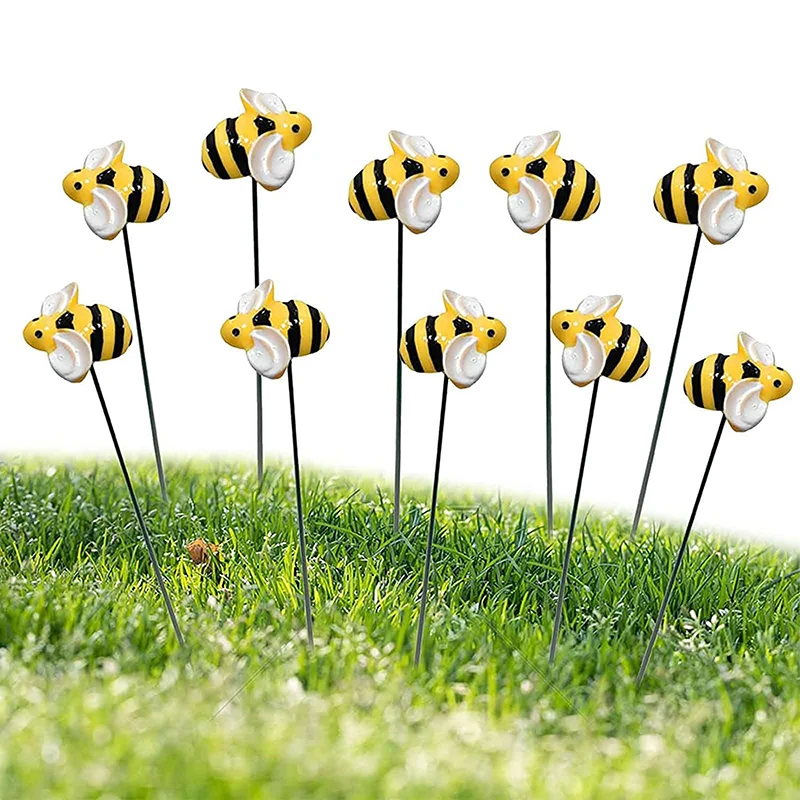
point(145, 375)
point(300, 524)
point(431, 528)
point(573, 519)
point(398, 409)
point(547, 391)
point(147, 542)
point(259, 399)
point(681, 552)
point(665, 391)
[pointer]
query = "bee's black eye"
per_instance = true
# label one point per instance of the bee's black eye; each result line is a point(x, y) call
point(569, 311)
point(776, 384)
point(441, 156)
point(233, 317)
point(490, 333)
point(443, 172)
point(752, 189)
point(753, 173)
point(35, 319)
point(780, 369)
point(77, 185)
point(38, 334)
point(505, 172)
point(292, 112)
point(565, 325)
point(76, 170)
point(235, 332)
point(507, 156)
point(295, 128)
point(489, 317)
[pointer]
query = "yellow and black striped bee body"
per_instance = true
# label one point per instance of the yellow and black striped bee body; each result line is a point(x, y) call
point(371, 193)
point(75, 336)
point(577, 195)
point(422, 346)
point(713, 195)
point(597, 344)
point(740, 385)
point(225, 149)
point(273, 332)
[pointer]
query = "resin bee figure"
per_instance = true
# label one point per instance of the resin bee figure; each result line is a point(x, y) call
point(75, 336)
point(542, 186)
point(259, 142)
point(272, 332)
point(740, 385)
point(713, 195)
point(456, 342)
point(596, 343)
point(406, 186)
point(113, 194)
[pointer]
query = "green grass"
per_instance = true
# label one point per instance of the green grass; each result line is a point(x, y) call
point(96, 700)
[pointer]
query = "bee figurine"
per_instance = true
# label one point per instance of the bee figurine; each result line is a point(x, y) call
point(75, 336)
point(596, 343)
point(113, 194)
point(456, 342)
point(272, 332)
point(407, 185)
point(542, 186)
point(740, 385)
point(713, 195)
point(260, 142)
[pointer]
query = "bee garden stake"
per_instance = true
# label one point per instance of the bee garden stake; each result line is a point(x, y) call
point(456, 343)
point(740, 386)
point(259, 143)
point(596, 344)
point(542, 186)
point(406, 186)
point(714, 196)
point(272, 333)
point(112, 195)
point(74, 337)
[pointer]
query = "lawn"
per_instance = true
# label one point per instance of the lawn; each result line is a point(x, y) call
point(97, 700)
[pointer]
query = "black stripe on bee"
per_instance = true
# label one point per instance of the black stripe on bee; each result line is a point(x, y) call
point(666, 197)
point(689, 195)
point(237, 151)
point(316, 329)
point(384, 192)
point(718, 384)
point(722, 178)
point(411, 347)
point(213, 155)
point(461, 325)
point(434, 347)
point(361, 197)
point(412, 167)
point(536, 167)
point(595, 326)
point(106, 177)
point(264, 124)
point(158, 198)
point(697, 384)
point(293, 334)
point(750, 370)
point(65, 321)
point(96, 337)
point(119, 333)
point(261, 319)
point(588, 196)
point(637, 362)
point(562, 195)
point(615, 356)
point(135, 197)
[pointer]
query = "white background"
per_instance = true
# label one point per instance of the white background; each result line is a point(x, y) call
point(635, 92)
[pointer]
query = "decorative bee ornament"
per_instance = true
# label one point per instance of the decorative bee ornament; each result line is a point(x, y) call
point(740, 386)
point(260, 142)
point(714, 196)
point(113, 194)
point(454, 343)
point(74, 337)
point(542, 186)
point(596, 345)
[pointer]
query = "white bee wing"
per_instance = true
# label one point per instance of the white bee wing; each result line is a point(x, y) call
point(757, 351)
point(101, 157)
point(462, 362)
point(255, 298)
point(584, 362)
point(107, 214)
point(263, 102)
point(417, 206)
point(718, 217)
point(464, 305)
point(537, 145)
point(58, 302)
point(270, 355)
point(532, 206)
point(270, 164)
point(743, 407)
point(728, 157)
point(72, 357)
point(413, 146)
point(594, 306)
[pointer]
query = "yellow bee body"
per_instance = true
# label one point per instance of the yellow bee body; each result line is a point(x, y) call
point(455, 342)
point(740, 385)
point(406, 185)
point(273, 332)
point(541, 185)
point(113, 193)
point(597, 344)
point(260, 142)
point(713, 195)
point(75, 336)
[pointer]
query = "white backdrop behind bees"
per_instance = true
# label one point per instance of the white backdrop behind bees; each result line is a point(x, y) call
point(632, 99)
